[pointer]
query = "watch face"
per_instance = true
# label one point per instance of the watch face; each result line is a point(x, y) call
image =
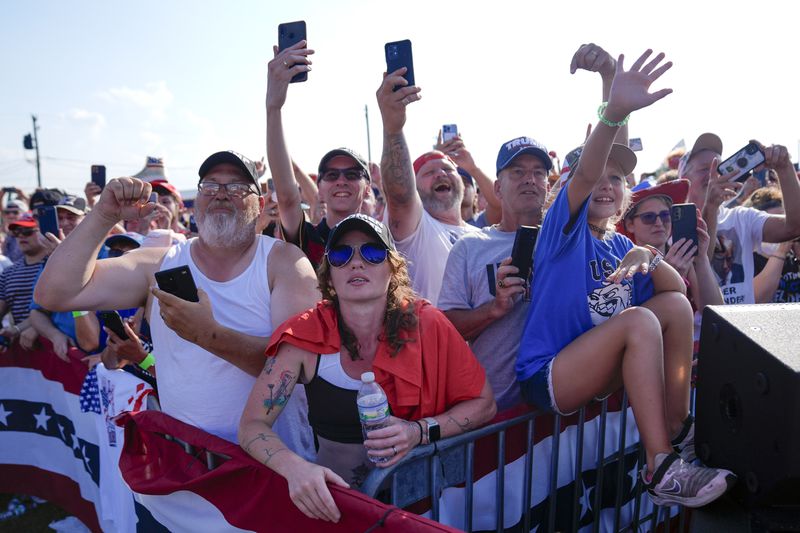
point(434, 433)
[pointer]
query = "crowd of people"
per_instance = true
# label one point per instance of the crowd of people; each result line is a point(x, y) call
point(414, 282)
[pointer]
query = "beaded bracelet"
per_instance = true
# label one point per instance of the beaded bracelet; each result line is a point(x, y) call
point(604, 120)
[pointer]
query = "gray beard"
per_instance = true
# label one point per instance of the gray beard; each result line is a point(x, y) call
point(221, 230)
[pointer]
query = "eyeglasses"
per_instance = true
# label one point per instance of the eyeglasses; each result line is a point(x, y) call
point(24, 232)
point(649, 217)
point(234, 190)
point(518, 173)
point(350, 174)
point(10, 212)
point(374, 254)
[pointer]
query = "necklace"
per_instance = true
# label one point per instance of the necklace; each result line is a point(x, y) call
point(597, 229)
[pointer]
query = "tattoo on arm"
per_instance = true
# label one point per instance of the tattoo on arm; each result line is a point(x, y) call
point(269, 364)
point(397, 172)
point(278, 396)
point(463, 426)
point(269, 452)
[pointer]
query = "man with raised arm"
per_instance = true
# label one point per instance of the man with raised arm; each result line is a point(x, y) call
point(343, 178)
point(737, 232)
point(208, 353)
point(423, 200)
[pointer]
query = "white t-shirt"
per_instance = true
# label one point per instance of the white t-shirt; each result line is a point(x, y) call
point(739, 232)
point(426, 251)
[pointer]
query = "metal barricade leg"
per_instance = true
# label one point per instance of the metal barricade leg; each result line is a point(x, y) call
point(601, 451)
point(578, 483)
point(553, 489)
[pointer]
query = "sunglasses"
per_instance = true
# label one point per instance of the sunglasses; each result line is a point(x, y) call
point(350, 174)
point(340, 255)
point(27, 232)
point(649, 217)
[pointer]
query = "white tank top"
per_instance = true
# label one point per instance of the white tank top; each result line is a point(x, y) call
point(196, 386)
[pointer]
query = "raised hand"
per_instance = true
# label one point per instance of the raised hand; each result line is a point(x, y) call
point(594, 59)
point(393, 103)
point(630, 89)
point(286, 64)
point(125, 199)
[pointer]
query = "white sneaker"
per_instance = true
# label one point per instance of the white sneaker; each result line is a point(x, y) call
point(676, 482)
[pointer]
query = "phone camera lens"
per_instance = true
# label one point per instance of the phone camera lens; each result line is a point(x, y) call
point(393, 52)
point(751, 149)
point(742, 162)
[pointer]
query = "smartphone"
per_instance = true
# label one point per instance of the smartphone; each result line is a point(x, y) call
point(178, 282)
point(5, 341)
point(9, 190)
point(99, 175)
point(522, 251)
point(48, 219)
point(398, 55)
point(290, 33)
point(449, 131)
point(761, 176)
point(684, 223)
point(113, 321)
point(193, 225)
point(742, 162)
point(635, 144)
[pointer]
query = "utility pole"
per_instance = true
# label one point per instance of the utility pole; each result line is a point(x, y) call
point(30, 142)
point(369, 145)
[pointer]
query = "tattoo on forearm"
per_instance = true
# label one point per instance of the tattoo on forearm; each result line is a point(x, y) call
point(396, 170)
point(271, 453)
point(261, 437)
point(278, 396)
point(463, 426)
point(269, 364)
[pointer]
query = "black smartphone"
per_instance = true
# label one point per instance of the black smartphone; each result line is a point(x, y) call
point(99, 175)
point(178, 282)
point(290, 33)
point(761, 176)
point(522, 251)
point(193, 224)
point(742, 162)
point(684, 223)
point(48, 219)
point(398, 55)
point(113, 321)
point(9, 190)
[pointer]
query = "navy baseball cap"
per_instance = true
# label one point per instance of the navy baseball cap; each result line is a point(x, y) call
point(522, 145)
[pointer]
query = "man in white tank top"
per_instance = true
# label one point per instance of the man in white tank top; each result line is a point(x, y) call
point(207, 353)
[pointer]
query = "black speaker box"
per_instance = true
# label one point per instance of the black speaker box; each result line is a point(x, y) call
point(748, 399)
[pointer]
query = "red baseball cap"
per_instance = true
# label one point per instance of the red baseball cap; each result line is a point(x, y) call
point(25, 220)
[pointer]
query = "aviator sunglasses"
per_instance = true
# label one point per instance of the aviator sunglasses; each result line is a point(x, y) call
point(649, 217)
point(372, 253)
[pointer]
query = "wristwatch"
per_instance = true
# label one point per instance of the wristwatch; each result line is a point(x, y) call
point(434, 432)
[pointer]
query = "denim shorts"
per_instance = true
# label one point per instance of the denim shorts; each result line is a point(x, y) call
point(538, 390)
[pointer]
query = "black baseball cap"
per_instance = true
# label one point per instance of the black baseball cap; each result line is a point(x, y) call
point(361, 222)
point(347, 152)
point(232, 158)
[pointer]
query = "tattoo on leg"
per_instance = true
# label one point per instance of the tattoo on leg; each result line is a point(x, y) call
point(278, 397)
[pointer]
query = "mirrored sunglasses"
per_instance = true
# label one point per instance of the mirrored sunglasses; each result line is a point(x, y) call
point(340, 255)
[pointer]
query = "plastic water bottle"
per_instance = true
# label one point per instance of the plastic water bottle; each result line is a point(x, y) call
point(373, 408)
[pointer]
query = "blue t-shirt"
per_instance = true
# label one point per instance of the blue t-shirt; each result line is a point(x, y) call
point(570, 291)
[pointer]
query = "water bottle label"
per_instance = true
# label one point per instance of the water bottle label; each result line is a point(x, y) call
point(373, 412)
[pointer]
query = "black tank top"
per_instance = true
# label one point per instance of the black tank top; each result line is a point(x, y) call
point(332, 410)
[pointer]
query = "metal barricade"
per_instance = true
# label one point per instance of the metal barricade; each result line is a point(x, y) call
point(427, 470)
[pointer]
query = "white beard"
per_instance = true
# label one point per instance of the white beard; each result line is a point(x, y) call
point(223, 230)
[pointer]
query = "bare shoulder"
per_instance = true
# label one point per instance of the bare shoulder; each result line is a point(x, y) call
point(287, 262)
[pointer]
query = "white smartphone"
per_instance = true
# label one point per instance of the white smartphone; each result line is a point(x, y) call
point(449, 131)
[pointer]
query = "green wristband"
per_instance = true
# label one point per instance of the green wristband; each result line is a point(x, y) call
point(604, 120)
point(147, 362)
point(78, 314)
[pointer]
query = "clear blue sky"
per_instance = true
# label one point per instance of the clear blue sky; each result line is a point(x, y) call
point(114, 82)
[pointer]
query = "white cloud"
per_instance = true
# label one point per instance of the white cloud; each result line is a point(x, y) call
point(155, 98)
point(95, 120)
